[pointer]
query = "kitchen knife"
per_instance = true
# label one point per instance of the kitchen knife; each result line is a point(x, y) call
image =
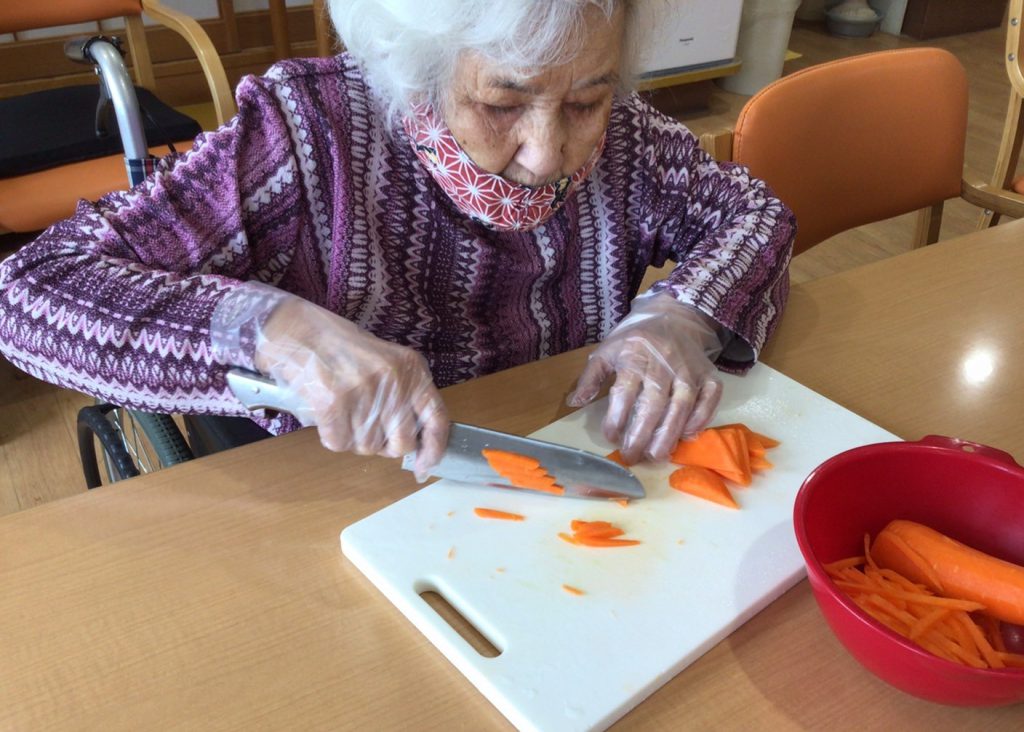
point(582, 474)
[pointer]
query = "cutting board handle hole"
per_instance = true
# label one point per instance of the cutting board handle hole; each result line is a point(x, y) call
point(469, 633)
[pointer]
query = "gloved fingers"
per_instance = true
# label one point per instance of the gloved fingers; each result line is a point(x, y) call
point(433, 431)
point(648, 412)
point(621, 402)
point(400, 435)
point(589, 384)
point(335, 431)
point(704, 408)
point(681, 404)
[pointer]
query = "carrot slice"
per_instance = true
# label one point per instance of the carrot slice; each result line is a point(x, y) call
point(736, 441)
point(753, 437)
point(596, 534)
point(616, 457)
point(493, 513)
point(509, 459)
point(522, 471)
point(573, 590)
point(702, 483)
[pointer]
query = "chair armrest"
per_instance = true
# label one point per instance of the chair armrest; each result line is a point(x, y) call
point(202, 46)
point(974, 189)
point(717, 144)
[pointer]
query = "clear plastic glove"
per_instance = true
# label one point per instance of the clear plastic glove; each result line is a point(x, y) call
point(662, 356)
point(364, 394)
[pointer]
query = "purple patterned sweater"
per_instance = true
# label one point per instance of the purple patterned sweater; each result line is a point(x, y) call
point(307, 190)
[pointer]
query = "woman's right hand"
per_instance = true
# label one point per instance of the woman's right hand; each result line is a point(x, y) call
point(364, 394)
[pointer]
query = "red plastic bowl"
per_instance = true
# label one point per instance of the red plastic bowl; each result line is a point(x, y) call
point(970, 492)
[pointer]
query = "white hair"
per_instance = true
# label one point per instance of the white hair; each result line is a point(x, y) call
point(409, 49)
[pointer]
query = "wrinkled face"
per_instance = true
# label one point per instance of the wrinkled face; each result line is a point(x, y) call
point(534, 128)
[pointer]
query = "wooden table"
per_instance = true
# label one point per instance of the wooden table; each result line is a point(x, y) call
point(214, 595)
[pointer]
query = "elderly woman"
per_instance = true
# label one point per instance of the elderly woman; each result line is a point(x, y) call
point(469, 188)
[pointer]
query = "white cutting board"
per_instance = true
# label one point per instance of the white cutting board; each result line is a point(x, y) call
point(580, 662)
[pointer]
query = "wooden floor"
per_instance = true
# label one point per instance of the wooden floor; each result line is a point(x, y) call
point(38, 454)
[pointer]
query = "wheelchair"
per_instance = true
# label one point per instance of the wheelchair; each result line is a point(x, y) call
point(133, 442)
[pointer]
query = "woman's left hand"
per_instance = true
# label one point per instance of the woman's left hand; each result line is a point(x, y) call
point(662, 356)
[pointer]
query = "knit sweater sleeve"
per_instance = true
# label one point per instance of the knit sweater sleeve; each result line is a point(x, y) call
point(116, 301)
point(730, 237)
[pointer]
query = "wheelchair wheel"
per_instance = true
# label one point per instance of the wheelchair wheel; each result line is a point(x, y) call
point(131, 443)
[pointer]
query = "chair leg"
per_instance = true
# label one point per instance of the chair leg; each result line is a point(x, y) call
point(1009, 154)
point(929, 221)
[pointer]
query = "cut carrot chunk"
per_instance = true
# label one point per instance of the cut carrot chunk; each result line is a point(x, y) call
point(702, 483)
point(493, 513)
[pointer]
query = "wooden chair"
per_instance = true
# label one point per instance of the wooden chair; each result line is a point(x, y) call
point(31, 201)
point(1005, 177)
point(862, 139)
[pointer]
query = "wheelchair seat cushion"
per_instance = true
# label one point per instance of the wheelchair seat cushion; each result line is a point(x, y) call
point(54, 127)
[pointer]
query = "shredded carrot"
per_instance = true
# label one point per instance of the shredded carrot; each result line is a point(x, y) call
point(493, 513)
point(950, 628)
point(573, 590)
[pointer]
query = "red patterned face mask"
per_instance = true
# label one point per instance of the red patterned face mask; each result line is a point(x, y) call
point(486, 197)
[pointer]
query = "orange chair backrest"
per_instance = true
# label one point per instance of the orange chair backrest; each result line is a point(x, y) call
point(858, 140)
point(21, 15)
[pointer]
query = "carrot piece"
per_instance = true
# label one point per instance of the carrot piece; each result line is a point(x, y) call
point(596, 534)
point(736, 441)
point(522, 471)
point(493, 513)
point(702, 483)
point(1012, 660)
point(616, 457)
point(509, 459)
point(709, 450)
point(953, 569)
point(841, 564)
point(755, 438)
point(758, 462)
point(624, 502)
point(573, 590)
point(597, 541)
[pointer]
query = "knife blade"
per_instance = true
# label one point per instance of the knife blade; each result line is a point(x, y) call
point(582, 474)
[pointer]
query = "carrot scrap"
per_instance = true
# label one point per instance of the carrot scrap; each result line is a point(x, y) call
point(702, 483)
point(451, 553)
point(953, 628)
point(624, 502)
point(573, 590)
point(493, 513)
point(596, 534)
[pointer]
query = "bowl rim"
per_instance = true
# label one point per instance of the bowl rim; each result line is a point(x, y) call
point(816, 566)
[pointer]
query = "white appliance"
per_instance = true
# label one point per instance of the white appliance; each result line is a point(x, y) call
point(686, 34)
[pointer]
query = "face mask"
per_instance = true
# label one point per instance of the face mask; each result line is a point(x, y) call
point(483, 196)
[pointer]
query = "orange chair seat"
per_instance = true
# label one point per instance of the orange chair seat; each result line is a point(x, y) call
point(28, 202)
